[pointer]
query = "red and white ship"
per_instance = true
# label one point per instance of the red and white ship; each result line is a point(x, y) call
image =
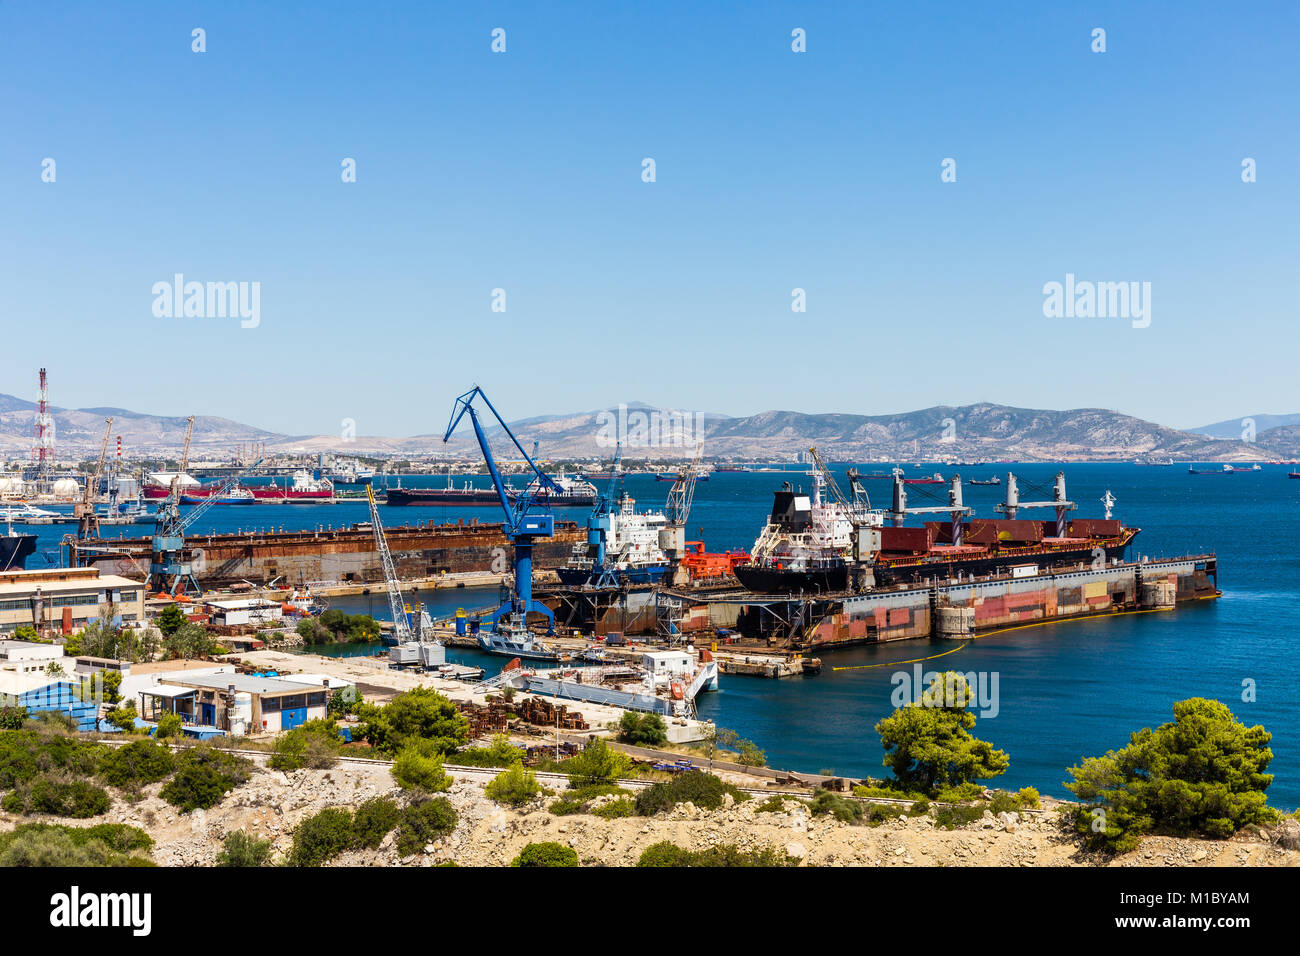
point(302, 487)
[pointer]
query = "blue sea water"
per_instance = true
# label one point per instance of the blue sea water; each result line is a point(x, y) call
point(1065, 690)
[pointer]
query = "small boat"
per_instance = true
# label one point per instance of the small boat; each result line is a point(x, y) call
point(22, 513)
point(995, 480)
point(1293, 474)
point(511, 640)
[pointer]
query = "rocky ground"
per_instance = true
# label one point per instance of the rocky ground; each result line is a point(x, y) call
point(272, 803)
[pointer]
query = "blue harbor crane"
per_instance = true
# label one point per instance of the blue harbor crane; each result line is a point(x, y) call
point(599, 525)
point(522, 527)
point(170, 569)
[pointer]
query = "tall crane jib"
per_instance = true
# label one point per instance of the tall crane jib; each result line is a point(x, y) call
point(401, 625)
point(84, 510)
point(522, 527)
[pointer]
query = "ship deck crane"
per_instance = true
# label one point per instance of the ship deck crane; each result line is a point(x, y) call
point(954, 508)
point(521, 527)
point(1012, 505)
point(84, 510)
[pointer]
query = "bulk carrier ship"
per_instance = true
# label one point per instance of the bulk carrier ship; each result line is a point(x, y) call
point(818, 544)
point(574, 493)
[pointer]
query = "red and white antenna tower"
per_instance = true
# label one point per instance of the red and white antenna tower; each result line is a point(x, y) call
point(43, 446)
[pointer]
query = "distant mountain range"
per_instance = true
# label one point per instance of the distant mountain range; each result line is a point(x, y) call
point(980, 431)
point(1235, 427)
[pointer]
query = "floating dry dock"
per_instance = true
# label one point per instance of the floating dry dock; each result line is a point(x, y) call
point(956, 608)
point(343, 555)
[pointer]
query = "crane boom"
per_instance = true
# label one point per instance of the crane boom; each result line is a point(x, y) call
point(521, 527)
point(682, 494)
point(401, 626)
point(87, 521)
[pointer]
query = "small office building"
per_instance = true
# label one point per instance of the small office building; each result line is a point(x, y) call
point(29, 657)
point(236, 704)
point(244, 611)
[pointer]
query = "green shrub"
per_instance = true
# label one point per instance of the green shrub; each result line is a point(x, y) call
point(107, 844)
point(514, 787)
point(546, 854)
point(418, 715)
point(666, 854)
point(123, 718)
point(648, 730)
point(597, 763)
point(321, 836)
point(26, 753)
point(616, 809)
point(959, 793)
point(949, 818)
point(750, 755)
point(12, 718)
point(776, 804)
point(889, 793)
point(841, 808)
point(373, 821)
point(577, 799)
point(878, 813)
point(135, 764)
point(61, 798)
point(117, 836)
point(169, 726)
point(204, 775)
point(242, 849)
point(1203, 773)
point(928, 743)
point(1029, 798)
point(423, 823)
point(315, 744)
point(416, 769)
point(499, 753)
point(702, 789)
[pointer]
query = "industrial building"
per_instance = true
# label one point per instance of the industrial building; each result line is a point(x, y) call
point(65, 599)
point(237, 704)
point(28, 657)
point(38, 692)
point(244, 611)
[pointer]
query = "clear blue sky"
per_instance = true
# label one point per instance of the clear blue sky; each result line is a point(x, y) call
point(775, 170)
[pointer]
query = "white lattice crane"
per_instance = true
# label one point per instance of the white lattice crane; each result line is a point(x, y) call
point(401, 626)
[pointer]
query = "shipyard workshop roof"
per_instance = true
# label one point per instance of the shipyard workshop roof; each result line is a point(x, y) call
point(166, 690)
point(243, 684)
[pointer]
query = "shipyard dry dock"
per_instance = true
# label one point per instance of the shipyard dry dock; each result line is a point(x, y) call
point(345, 555)
point(954, 608)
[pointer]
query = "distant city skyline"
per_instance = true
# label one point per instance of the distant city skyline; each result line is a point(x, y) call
point(969, 205)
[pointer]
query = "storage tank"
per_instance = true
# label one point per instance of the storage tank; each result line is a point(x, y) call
point(66, 488)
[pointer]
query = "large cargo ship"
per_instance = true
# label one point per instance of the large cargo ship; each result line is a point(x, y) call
point(574, 493)
point(302, 488)
point(805, 545)
point(633, 553)
point(15, 548)
point(808, 544)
